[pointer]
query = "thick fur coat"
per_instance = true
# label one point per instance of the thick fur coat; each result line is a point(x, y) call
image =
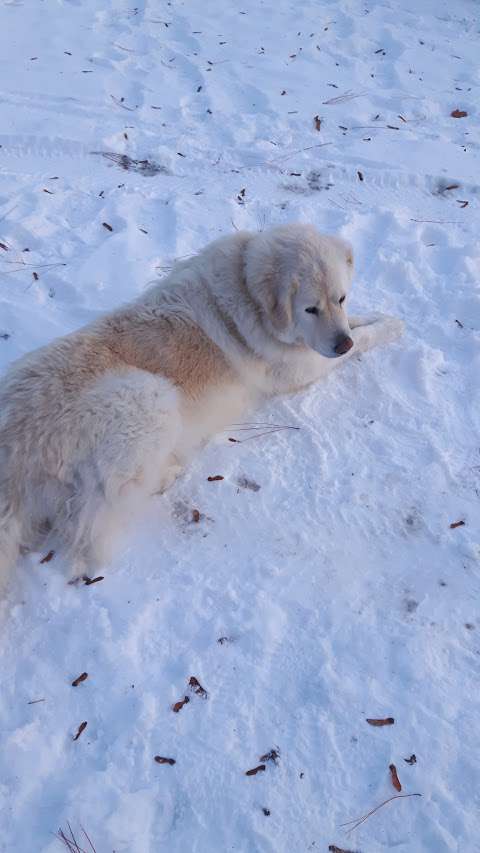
point(95, 422)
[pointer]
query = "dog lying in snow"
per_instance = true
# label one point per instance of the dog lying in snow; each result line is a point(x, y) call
point(95, 422)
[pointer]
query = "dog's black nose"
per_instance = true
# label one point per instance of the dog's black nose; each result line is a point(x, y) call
point(344, 343)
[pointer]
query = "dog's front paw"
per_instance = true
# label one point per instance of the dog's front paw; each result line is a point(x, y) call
point(375, 330)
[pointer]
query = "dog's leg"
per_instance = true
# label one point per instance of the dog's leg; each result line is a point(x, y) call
point(374, 330)
point(125, 433)
point(172, 471)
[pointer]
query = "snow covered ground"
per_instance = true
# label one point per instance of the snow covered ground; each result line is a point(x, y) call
point(339, 586)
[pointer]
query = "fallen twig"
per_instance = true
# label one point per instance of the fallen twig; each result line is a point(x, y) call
point(120, 47)
point(359, 820)
point(286, 156)
point(23, 264)
point(437, 221)
point(119, 103)
point(147, 168)
point(259, 430)
point(71, 842)
point(347, 96)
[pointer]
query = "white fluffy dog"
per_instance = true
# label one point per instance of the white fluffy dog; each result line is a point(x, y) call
point(95, 422)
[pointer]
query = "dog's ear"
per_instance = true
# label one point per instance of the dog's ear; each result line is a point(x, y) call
point(282, 309)
point(271, 287)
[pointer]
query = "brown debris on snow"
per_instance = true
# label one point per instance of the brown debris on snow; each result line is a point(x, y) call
point(255, 770)
point(387, 721)
point(81, 729)
point(272, 755)
point(179, 705)
point(88, 581)
point(334, 849)
point(47, 557)
point(394, 777)
point(355, 823)
point(197, 688)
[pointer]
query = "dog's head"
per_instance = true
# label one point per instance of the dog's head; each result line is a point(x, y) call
point(301, 279)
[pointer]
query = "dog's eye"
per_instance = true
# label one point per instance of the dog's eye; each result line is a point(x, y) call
point(341, 300)
point(312, 310)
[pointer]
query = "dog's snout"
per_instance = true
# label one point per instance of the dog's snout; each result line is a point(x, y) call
point(343, 345)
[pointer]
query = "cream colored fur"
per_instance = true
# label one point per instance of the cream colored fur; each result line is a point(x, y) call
point(95, 422)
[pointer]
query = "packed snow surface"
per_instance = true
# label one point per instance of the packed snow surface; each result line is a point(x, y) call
point(322, 583)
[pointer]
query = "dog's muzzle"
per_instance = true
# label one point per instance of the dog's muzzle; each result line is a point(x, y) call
point(343, 345)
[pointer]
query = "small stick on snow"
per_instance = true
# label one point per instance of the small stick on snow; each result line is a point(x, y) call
point(359, 820)
point(347, 96)
point(71, 842)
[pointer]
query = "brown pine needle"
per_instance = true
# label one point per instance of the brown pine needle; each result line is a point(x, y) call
point(359, 820)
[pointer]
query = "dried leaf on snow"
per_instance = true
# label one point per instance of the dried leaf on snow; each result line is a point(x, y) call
point(47, 557)
point(179, 705)
point(387, 721)
point(255, 770)
point(81, 729)
point(394, 777)
point(197, 688)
